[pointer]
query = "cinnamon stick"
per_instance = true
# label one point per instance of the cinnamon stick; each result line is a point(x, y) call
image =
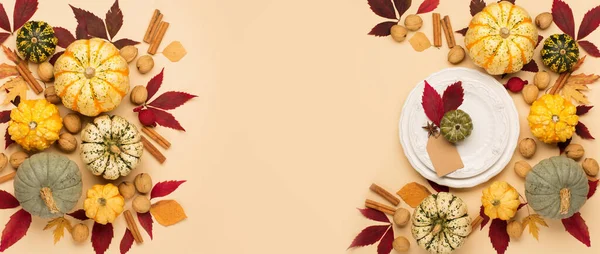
point(156, 137)
point(564, 77)
point(133, 227)
point(437, 30)
point(153, 26)
point(385, 194)
point(157, 39)
point(448, 32)
point(23, 70)
point(475, 223)
point(8, 177)
point(379, 207)
point(153, 150)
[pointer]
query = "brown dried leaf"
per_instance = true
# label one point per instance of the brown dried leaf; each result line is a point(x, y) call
point(576, 84)
point(59, 225)
point(174, 51)
point(16, 87)
point(167, 212)
point(531, 221)
point(420, 42)
point(413, 193)
point(7, 70)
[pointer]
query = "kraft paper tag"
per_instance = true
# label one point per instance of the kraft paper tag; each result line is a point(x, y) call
point(443, 155)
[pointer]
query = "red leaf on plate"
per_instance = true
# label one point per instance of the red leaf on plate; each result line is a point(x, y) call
point(563, 145)
point(432, 104)
point(531, 66)
point(15, 229)
point(486, 218)
point(386, 244)
point(5, 116)
point(164, 118)
point(55, 57)
point(79, 214)
point(563, 17)
point(593, 186)
point(145, 220)
point(583, 131)
point(3, 37)
point(590, 22)
point(126, 242)
point(114, 19)
point(499, 236)
point(590, 48)
point(94, 25)
point(125, 42)
point(463, 31)
point(24, 10)
point(583, 109)
point(7, 200)
point(540, 39)
point(171, 100)
point(81, 31)
point(476, 6)
point(576, 226)
point(7, 140)
point(369, 235)
point(402, 6)
point(453, 96)
point(382, 29)
point(65, 38)
point(162, 189)
point(373, 214)
point(102, 235)
point(427, 6)
point(383, 8)
point(4, 22)
point(438, 188)
point(154, 84)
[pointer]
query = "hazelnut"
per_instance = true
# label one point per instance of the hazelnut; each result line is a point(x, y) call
point(72, 123)
point(143, 183)
point(129, 53)
point(138, 95)
point(145, 64)
point(541, 79)
point(574, 151)
point(514, 229)
point(17, 158)
point(45, 71)
point(80, 233)
point(456, 55)
point(413, 22)
point(398, 33)
point(401, 244)
point(527, 147)
point(50, 95)
point(141, 204)
point(401, 217)
point(530, 93)
point(3, 161)
point(590, 166)
point(522, 168)
point(126, 189)
point(543, 20)
point(67, 142)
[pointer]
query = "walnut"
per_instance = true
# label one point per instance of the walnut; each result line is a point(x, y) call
point(145, 64)
point(456, 54)
point(530, 93)
point(17, 158)
point(413, 22)
point(590, 166)
point(138, 95)
point(143, 183)
point(401, 217)
point(522, 168)
point(574, 151)
point(398, 33)
point(129, 53)
point(80, 233)
point(45, 71)
point(72, 123)
point(401, 244)
point(514, 229)
point(67, 142)
point(141, 204)
point(126, 189)
point(50, 95)
point(541, 79)
point(527, 147)
point(543, 20)
point(3, 161)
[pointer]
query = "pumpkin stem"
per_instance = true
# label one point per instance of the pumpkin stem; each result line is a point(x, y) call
point(46, 195)
point(89, 72)
point(115, 149)
point(565, 200)
point(504, 32)
point(436, 229)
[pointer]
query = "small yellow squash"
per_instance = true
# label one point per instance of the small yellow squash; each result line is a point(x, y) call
point(104, 203)
point(34, 124)
point(500, 200)
point(552, 119)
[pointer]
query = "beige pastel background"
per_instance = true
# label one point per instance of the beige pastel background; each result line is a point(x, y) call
point(296, 116)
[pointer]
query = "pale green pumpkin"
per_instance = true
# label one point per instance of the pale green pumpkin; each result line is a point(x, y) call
point(48, 185)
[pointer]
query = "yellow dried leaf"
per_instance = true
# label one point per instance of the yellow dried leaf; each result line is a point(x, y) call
point(419, 42)
point(531, 221)
point(174, 51)
point(59, 225)
point(576, 84)
point(413, 193)
point(16, 87)
point(7, 70)
point(167, 212)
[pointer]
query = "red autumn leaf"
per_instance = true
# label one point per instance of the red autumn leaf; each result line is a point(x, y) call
point(16, 101)
point(373, 214)
point(386, 244)
point(563, 145)
point(15, 229)
point(114, 19)
point(65, 38)
point(79, 214)
point(24, 10)
point(590, 22)
point(437, 187)
point(383, 8)
point(4, 22)
point(162, 189)
point(164, 118)
point(171, 100)
point(402, 6)
point(563, 17)
point(463, 31)
point(512, 1)
point(94, 25)
point(5, 116)
point(499, 236)
point(3, 37)
point(432, 104)
point(486, 218)
point(593, 186)
point(583, 109)
point(102, 235)
point(369, 235)
point(427, 6)
point(55, 57)
point(7, 200)
point(576, 226)
point(145, 220)
point(7, 140)
point(476, 6)
point(154, 84)
point(521, 206)
point(590, 48)
point(540, 39)
point(382, 29)
point(126, 242)
point(125, 42)
point(531, 66)
point(81, 30)
point(453, 96)
point(583, 131)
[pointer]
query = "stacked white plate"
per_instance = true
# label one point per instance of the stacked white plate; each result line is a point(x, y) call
point(495, 128)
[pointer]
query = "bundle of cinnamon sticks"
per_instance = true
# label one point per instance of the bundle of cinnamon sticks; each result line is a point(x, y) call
point(155, 32)
point(23, 69)
point(439, 25)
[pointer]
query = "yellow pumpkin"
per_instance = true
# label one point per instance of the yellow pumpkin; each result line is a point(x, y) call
point(104, 203)
point(552, 119)
point(500, 200)
point(91, 77)
point(34, 124)
point(501, 38)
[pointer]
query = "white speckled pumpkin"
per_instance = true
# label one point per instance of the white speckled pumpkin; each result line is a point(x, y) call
point(111, 146)
point(501, 38)
point(91, 77)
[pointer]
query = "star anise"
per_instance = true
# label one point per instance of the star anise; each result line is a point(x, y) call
point(431, 129)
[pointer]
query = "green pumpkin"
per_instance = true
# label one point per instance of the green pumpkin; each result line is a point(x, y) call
point(48, 185)
point(556, 188)
point(560, 53)
point(36, 41)
point(456, 125)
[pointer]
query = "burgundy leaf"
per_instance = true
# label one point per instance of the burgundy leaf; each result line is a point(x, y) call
point(7, 200)
point(432, 104)
point(486, 218)
point(521, 206)
point(402, 6)
point(81, 30)
point(476, 6)
point(145, 220)
point(540, 39)
point(7, 140)
point(102, 235)
point(15, 229)
point(4, 22)
point(165, 119)
point(437, 187)
point(16, 101)
point(590, 48)
point(55, 57)
point(24, 10)
point(382, 29)
point(79, 214)
point(563, 145)
point(531, 66)
point(463, 31)
point(583, 131)
point(125, 42)
point(453, 96)
point(171, 100)
point(511, 1)
point(114, 19)
point(162, 189)
point(373, 214)
point(583, 109)
point(154, 84)
point(593, 186)
point(427, 6)
point(576, 226)
point(383, 8)
point(126, 242)
point(5, 116)
point(3, 37)
point(65, 38)
point(590, 22)
point(369, 235)
point(499, 236)
point(94, 25)
point(563, 17)
point(386, 244)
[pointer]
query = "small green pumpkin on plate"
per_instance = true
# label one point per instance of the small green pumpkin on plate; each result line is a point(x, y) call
point(560, 53)
point(36, 41)
point(456, 125)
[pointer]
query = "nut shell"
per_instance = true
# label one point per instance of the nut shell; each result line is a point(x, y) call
point(401, 217)
point(67, 142)
point(17, 158)
point(413, 22)
point(145, 64)
point(138, 95)
point(72, 123)
point(530, 93)
point(127, 189)
point(3, 161)
point(143, 183)
point(45, 71)
point(141, 204)
point(590, 166)
point(527, 147)
point(543, 20)
point(129, 53)
point(514, 229)
point(522, 168)
point(401, 244)
point(541, 79)
point(574, 151)
point(398, 33)
point(456, 55)
point(51, 96)
point(80, 233)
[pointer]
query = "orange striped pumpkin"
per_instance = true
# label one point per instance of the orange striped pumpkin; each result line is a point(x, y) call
point(91, 77)
point(501, 38)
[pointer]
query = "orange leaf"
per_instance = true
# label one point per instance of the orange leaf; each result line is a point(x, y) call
point(413, 193)
point(167, 212)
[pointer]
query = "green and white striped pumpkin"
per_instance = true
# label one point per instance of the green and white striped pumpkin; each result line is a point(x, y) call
point(111, 146)
point(440, 224)
point(36, 41)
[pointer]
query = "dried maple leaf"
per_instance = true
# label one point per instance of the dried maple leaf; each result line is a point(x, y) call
point(146, 221)
point(59, 224)
point(174, 51)
point(499, 236)
point(15, 229)
point(7, 70)
point(576, 226)
point(162, 189)
point(532, 222)
point(102, 235)
point(413, 193)
point(575, 85)
point(167, 212)
point(16, 87)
